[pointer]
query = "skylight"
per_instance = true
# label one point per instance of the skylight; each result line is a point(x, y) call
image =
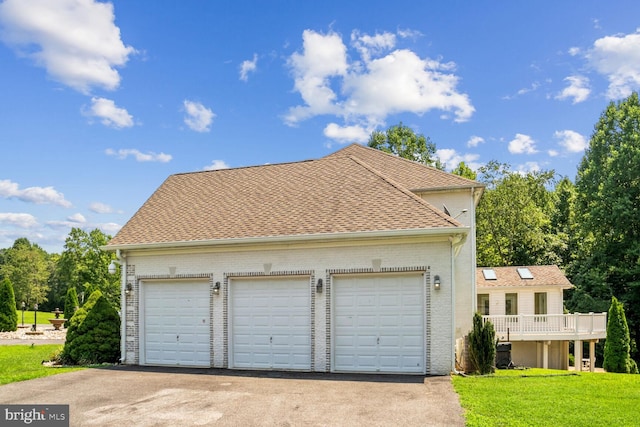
point(525, 273)
point(489, 274)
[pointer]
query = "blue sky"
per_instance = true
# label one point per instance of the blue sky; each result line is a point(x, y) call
point(100, 102)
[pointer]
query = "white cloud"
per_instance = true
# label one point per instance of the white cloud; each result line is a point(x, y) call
point(618, 59)
point(522, 144)
point(572, 141)
point(76, 41)
point(199, 117)
point(553, 153)
point(216, 165)
point(110, 228)
point(528, 167)
point(451, 158)
point(322, 57)
point(138, 155)
point(347, 134)
point(372, 45)
point(474, 141)
point(248, 67)
point(22, 220)
point(38, 195)
point(109, 113)
point(365, 91)
point(100, 208)
point(77, 218)
point(578, 89)
point(574, 51)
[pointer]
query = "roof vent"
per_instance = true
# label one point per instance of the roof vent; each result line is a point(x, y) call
point(489, 274)
point(525, 273)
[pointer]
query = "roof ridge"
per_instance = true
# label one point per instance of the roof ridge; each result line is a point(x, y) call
point(407, 192)
point(434, 169)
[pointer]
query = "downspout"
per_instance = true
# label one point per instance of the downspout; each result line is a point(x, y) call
point(123, 305)
point(456, 242)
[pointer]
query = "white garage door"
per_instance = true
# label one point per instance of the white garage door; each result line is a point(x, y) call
point(271, 324)
point(379, 323)
point(176, 323)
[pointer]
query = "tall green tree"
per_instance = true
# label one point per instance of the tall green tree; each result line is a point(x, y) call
point(71, 304)
point(617, 346)
point(402, 141)
point(464, 171)
point(8, 314)
point(607, 212)
point(27, 266)
point(84, 266)
point(563, 223)
point(513, 218)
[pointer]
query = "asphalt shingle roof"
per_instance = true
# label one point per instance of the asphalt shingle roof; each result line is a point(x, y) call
point(340, 193)
point(543, 275)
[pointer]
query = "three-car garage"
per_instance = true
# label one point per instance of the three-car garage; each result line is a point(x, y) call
point(376, 323)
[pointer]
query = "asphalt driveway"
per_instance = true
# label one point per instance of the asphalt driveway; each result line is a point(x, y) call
point(139, 396)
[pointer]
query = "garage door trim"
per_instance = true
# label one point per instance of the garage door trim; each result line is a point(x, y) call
point(421, 274)
point(306, 277)
point(143, 283)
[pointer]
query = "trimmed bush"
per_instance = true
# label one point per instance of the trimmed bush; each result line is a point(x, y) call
point(617, 346)
point(482, 346)
point(8, 313)
point(75, 322)
point(97, 337)
point(71, 303)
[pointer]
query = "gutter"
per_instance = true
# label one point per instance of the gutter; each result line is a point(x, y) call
point(436, 231)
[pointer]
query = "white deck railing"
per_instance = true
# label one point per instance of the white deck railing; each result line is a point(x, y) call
point(560, 326)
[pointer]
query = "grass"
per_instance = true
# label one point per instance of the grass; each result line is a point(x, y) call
point(538, 397)
point(43, 317)
point(24, 362)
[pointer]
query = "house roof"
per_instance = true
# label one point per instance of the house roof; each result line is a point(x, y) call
point(341, 193)
point(542, 275)
point(412, 175)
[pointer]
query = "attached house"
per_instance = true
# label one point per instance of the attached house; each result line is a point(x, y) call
point(526, 307)
point(360, 261)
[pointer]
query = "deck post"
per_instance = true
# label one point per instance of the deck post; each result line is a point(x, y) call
point(577, 352)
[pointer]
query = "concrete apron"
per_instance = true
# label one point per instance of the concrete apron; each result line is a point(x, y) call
point(155, 396)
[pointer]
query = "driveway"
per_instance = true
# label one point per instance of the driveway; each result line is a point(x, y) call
point(141, 396)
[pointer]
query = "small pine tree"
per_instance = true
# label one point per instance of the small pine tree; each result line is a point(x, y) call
point(482, 345)
point(8, 313)
point(71, 303)
point(98, 336)
point(75, 322)
point(617, 346)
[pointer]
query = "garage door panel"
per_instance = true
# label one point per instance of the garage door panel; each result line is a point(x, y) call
point(379, 323)
point(271, 329)
point(176, 323)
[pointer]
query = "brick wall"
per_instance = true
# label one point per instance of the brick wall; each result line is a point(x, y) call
point(319, 261)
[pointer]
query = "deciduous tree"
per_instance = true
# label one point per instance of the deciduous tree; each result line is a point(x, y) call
point(608, 212)
point(402, 141)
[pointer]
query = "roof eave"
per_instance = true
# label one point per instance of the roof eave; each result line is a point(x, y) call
point(435, 231)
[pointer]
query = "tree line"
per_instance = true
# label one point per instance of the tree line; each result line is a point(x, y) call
point(590, 226)
point(38, 277)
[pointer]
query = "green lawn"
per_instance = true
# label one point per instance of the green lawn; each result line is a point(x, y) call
point(43, 317)
point(24, 362)
point(538, 397)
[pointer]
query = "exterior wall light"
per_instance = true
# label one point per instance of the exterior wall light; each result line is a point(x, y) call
point(112, 267)
point(128, 289)
point(216, 288)
point(319, 286)
point(436, 282)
